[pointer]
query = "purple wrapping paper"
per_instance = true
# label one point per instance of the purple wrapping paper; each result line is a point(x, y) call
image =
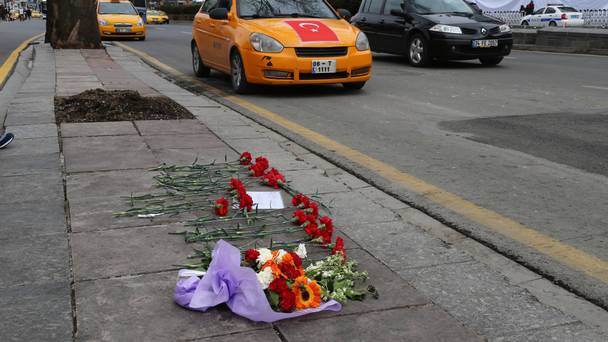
point(227, 282)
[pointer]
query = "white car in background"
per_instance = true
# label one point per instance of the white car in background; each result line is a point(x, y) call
point(554, 15)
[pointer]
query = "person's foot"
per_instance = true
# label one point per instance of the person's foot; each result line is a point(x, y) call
point(6, 139)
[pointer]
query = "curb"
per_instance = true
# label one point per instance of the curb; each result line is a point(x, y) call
point(8, 66)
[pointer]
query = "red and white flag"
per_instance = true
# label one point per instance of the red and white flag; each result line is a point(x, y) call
point(313, 31)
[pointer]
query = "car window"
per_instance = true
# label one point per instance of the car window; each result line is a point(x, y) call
point(284, 8)
point(392, 5)
point(540, 11)
point(567, 9)
point(373, 6)
point(550, 10)
point(440, 6)
point(208, 6)
point(116, 8)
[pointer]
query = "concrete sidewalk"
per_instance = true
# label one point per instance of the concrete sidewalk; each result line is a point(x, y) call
point(71, 270)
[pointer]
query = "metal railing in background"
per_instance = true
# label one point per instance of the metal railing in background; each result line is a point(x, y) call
point(592, 17)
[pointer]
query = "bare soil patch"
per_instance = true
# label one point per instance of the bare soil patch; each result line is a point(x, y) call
point(98, 105)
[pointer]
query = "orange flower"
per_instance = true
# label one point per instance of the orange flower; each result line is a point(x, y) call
point(276, 271)
point(308, 293)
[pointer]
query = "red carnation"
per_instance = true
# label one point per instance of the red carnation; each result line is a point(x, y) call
point(236, 184)
point(326, 235)
point(245, 158)
point(245, 201)
point(339, 247)
point(296, 259)
point(278, 285)
point(260, 166)
point(251, 255)
point(300, 200)
point(311, 218)
point(327, 222)
point(313, 208)
point(221, 207)
point(299, 217)
point(289, 271)
point(273, 178)
point(287, 301)
point(312, 230)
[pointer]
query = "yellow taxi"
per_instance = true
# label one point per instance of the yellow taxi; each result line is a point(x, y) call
point(279, 42)
point(157, 17)
point(118, 18)
point(36, 14)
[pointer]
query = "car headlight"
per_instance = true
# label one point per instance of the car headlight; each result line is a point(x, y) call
point(505, 28)
point(362, 44)
point(264, 43)
point(446, 29)
point(103, 22)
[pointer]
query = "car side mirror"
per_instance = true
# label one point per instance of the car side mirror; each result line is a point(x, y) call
point(397, 13)
point(344, 14)
point(219, 14)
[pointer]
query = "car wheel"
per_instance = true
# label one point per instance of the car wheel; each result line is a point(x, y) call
point(237, 74)
point(490, 60)
point(552, 24)
point(525, 23)
point(418, 51)
point(353, 85)
point(142, 38)
point(200, 70)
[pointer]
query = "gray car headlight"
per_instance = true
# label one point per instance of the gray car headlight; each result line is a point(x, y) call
point(362, 44)
point(446, 29)
point(263, 43)
point(505, 28)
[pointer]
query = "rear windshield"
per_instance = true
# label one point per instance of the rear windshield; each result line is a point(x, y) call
point(116, 8)
point(284, 8)
point(567, 9)
point(440, 6)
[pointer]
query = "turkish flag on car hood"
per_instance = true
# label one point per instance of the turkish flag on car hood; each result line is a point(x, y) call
point(313, 31)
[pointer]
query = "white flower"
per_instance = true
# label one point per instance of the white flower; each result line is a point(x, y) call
point(280, 255)
point(301, 251)
point(265, 255)
point(265, 277)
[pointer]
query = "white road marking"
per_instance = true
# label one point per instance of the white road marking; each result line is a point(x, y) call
point(594, 87)
point(160, 28)
point(509, 57)
point(184, 32)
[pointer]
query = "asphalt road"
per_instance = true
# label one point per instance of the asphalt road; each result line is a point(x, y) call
point(527, 139)
point(13, 33)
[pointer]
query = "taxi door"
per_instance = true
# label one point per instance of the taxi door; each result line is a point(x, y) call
point(220, 37)
point(202, 32)
point(535, 20)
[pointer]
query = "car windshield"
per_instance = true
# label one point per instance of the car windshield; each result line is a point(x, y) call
point(116, 8)
point(440, 6)
point(153, 13)
point(284, 8)
point(567, 9)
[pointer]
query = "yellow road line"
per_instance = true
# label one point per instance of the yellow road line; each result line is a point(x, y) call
point(9, 64)
point(557, 250)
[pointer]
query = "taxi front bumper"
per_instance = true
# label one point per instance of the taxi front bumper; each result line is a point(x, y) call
point(132, 31)
point(291, 67)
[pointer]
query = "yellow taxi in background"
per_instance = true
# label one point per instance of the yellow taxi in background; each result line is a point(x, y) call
point(157, 17)
point(279, 42)
point(118, 18)
point(36, 14)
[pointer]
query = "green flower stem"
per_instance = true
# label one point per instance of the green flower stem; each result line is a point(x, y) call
point(245, 235)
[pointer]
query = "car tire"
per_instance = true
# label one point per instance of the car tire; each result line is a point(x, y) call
point(490, 61)
point(525, 23)
point(237, 74)
point(354, 85)
point(142, 38)
point(418, 51)
point(200, 70)
point(552, 24)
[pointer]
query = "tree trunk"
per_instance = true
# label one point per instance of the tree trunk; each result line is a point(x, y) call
point(72, 24)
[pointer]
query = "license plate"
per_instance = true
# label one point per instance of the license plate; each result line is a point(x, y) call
point(123, 29)
point(487, 43)
point(323, 66)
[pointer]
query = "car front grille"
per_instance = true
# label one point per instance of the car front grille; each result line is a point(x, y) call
point(322, 52)
point(306, 76)
point(122, 25)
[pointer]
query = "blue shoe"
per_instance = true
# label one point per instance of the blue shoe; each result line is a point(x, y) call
point(6, 139)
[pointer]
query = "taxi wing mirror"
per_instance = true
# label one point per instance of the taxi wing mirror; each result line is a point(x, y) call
point(219, 14)
point(344, 14)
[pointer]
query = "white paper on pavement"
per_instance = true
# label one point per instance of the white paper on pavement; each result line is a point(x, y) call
point(267, 199)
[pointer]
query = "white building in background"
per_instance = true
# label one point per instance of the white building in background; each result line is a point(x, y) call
point(513, 5)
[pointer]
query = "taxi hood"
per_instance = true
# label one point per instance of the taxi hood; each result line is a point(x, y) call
point(294, 32)
point(120, 18)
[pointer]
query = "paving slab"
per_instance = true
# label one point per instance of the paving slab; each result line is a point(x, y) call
point(33, 131)
point(264, 335)
point(16, 165)
point(474, 294)
point(257, 146)
point(576, 332)
point(31, 147)
point(36, 312)
point(199, 142)
point(110, 184)
point(239, 132)
point(15, 189)
point(286, 161)
point(350, 210)
point(120, 252)
point(346, 178)
point(93, 129)
point(141, 308)
point(158, 127)
point(32, 219)
point(427, 323)
point(402, 246)
point(180, 156)
point(313, 181)
point(34, 260)
point(30, 107)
